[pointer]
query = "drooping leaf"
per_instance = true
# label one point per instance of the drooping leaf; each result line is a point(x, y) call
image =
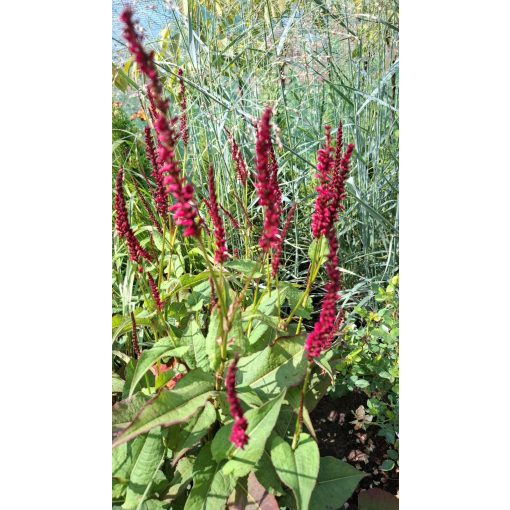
point(266, 474)
point(377, 499)
point(184, 437)
point(164, 347)
point(124, 412)
point(144, 469)
point(117, 383)
point(211, 486)
point(335, 484)
point(249, 494)
point(247, 267)
point(298, 469)
point(212, 347)
point(182, 476)
point(171, 406)
point(274, 368)
point(195, 340)
point(261, 422)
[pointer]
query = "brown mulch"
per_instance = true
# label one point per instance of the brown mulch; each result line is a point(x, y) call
point(363, 449)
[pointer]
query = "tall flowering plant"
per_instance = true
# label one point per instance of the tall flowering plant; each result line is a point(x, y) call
point(217, 350)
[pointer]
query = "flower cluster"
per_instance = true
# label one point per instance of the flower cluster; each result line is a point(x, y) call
point(319, 338)
point(122, 223)
point(266, 184)
point(325, 203)
point(238, 435)
point(155, 292)
point(240, 165)
point(330, 192)
point(147, 208)
point(275, 262)
point(184, 209)
point(160, 193)
point(221, 254)
point(183, 118)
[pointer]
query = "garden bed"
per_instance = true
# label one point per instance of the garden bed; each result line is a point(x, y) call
point(363, 449)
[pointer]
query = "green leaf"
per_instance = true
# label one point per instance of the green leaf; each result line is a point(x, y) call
point(117, 383)
point(297, 469)
point(164, 347)
point(212, 347)
point(274, 368)
point(197, 355)
point(261, 422)
point(377, 499)
point(144, 469)
point(125, 411)
point(251, 495)
point(211, 486)
point(182, 439)
point(182, 476)
point(318, 250)
point(266, 474)
point(247, 267)
point(335, 484)
point(172, 406)
point(388, 465)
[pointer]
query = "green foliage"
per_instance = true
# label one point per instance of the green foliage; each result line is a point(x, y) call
point(315, 64)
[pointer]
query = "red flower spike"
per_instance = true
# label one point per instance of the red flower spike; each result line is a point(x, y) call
point(184, 209)
point(324, 203)
point(240, 165)
point(275, 263)
point(229, 215)
point(155, 292)
point(122, 225)
point(265, 184)
point(238, 435)
point(160, 193)
point(220, 255)
point(318, 339)
point(183, 118)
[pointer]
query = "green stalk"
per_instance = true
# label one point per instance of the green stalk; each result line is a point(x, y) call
point(299, 420)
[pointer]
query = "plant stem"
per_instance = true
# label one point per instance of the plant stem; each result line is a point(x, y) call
point(299, 420)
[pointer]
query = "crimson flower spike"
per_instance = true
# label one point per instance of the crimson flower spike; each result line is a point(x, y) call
point(183, 118)
point(122, 225)
point(184, 209)
point(160, 193)
point(221, 254)
point(238, 435)
point(331, 191)
point(155, 292)
point(265, 184)
point(325, 201)
point(275, 263)
point(319, 337)
point(240, 165)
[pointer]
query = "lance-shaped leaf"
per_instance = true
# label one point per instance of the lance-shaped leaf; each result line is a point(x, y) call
point(335, 484)
point(249, 494)
point(298, 469)
point(261, 422)
point(266, 474)
point(182, 476)
point(144, 469)
point(211, 487)
point(163, 347)
point(196, 355)
point(171, 406)
point(184, 437)
point(274, 368)
point(377, 499)
point(124, 412)
point(212, 347)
